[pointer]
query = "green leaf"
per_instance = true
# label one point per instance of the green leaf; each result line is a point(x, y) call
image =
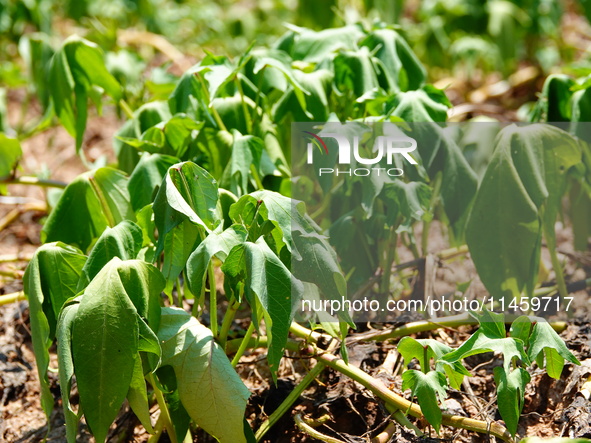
point(479, 343)
point(75, 68)
point(411, 348)
point(401, 67)
point(50, 279)
point(107, 334)
point(527, 178)
point(315, 47)
point(123, 241)
point(10, 154)
point(246, 152)
point(215, 245)
point(205, 376)
point(93, 201)
point(146, 178)
point(544, 339)
point(510, 394)
point(423, 105)
point(427, 388)
point(266, 278)
point(66, 365)
point(188, 192)
point(355, 72)
point(521, 329)
point(178, 246)
point(138, 396)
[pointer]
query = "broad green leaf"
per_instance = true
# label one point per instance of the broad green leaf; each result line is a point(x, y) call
point(188, 192)
point(355, 72)
point(401, 67)
point(411, 348)
point(246, 152)
point(491, 323)
point(75, 68)
point(10, 154)
point(478, 343)
point(406, 203)
point(423, 105)
point(146, 178)
point(105, 337)
point(266, 278)
point(215, 245)
point(66, 365)
point(178, 246)
point(50, 279)
point(428, 389)
point(510, 394)
point(312, 46)
point(205, 376)
point(316, 108)
point(145, 117)
point(521, 329)
point(138, 396)
point(544, 339)
point(92, 202)
point(526, 177)
point(123, 241)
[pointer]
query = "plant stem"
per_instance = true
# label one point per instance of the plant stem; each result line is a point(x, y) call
point(34, 181)
point(560, 283)
point(157, 430)
point(395, 400)
point(227, 323)
point(307, 429)
point(427, 223)
point(213, 302)
point(126, 109)
point(11, 298)
point(290, 400)
point(164, 412)
point(243, 345)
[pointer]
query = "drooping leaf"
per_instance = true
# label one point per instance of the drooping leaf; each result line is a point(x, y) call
point(10, 153)
point(138, 396)
point(75, 68)
point(267, 279)
point(215, 245)
point(205, 376)
point(544, 339)
point(146, 178)
point(246, 152)
point(401, 67)
point(188, 192)
point(178, 246)
point(527, 173)
point(66, 365)
point(510, 394)
point(93, 201)
point(105, 339)
point(428, 389)
point(123, 241)
point(50, 279)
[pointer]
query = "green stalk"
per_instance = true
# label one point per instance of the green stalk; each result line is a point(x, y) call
point(227, 323)
point(427, 223)
point(12, 298)
point(164, 412)
point(126, 109)
point(243, 345)
point(247, 115)
point(290, 400)
point(560, 283)
point(395, 400)
point(34, 181)
point(213, 302)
